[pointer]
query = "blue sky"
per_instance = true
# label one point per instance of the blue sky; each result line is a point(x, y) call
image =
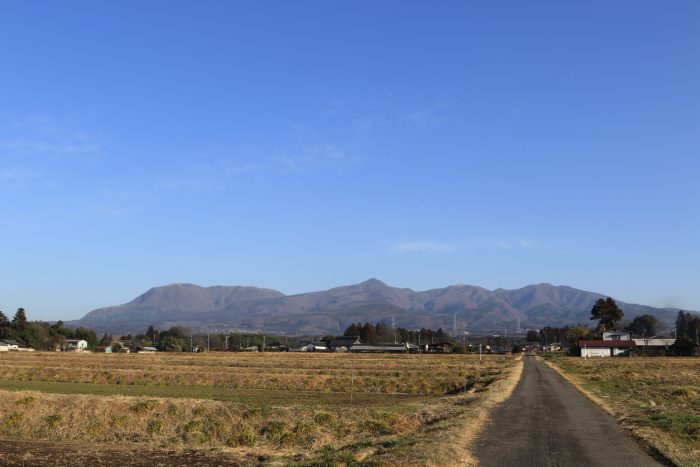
point(304, 145)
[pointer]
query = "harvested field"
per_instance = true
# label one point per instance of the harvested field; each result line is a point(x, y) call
point(658, 399)
point(300, 409)
point(387, 374)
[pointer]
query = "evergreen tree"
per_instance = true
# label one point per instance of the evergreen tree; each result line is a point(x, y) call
point(682, 324)
point(20, 324)
point(644, 325)
point(4, 325)
point(608, 314)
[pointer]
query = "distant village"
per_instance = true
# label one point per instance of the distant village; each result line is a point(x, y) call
point(637, 338)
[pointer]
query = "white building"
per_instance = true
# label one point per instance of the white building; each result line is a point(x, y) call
point(606, 348)
point(315, 346)
point(75, 345)
point(8, 344)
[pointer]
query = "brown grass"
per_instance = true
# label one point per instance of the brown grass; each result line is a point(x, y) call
point(328, 430)
point(657, 399)
point(404, 374)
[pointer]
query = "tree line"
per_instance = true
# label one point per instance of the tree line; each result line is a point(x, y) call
point(41, 335)
point(381, 333)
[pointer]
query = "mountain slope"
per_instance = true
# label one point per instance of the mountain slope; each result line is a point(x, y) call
point(331, 311)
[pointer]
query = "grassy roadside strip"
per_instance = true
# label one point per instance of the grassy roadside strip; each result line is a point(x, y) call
point(448, 441)
point(247, 396)
point(636, 411)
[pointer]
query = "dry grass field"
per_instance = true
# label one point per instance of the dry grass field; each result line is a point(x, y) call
point(658, 399)
point(253, 409)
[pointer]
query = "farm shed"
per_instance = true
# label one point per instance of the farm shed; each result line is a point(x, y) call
point(654, 344)
point(315, 346)
point(383, 348)
point(440, 347)
point(343, 343)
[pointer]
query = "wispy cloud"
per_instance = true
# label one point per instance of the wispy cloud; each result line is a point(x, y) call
point(43, 136)
point(17, 176)
point(422, 246)
point(314, 157)
point(502, 243)
point(418, 118)
point(505, 243)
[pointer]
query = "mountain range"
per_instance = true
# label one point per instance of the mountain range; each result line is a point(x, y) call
point(238, 308)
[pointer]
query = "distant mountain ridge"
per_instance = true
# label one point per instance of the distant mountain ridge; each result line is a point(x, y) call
point(222, 308)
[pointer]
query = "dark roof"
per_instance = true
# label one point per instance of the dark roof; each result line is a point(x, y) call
point(378, 348)
point(440, 344)
point(318, 343)
point(9, 341)
point(344, 341)
point(606, 343)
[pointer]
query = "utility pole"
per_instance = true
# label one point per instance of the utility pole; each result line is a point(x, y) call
point(191, 347)
point(207, 343)
point(227, 342)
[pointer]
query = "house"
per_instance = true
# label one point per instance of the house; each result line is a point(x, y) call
point(9, 344)
point(148, 350)
point(103, 349)
point(75, 345)
point(4, 347)
point(606, 347)
point(343, 343)
point(314, 346)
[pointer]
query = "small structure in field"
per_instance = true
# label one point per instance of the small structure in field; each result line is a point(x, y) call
point(75, 345)
point(147, 350)
point(314, 346)
point(103, 349)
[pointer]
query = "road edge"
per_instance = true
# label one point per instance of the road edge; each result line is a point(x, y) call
point(645, 442)
point(498, 393)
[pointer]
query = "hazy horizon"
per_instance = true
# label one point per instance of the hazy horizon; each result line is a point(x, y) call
point(303, 146)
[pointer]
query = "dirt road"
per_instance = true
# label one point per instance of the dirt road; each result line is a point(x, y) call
point(547, 422)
